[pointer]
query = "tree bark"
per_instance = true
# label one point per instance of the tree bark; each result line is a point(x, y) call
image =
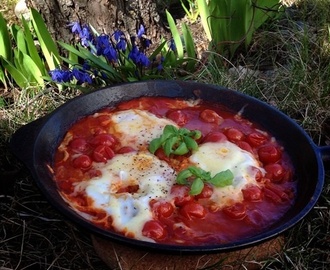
point(105, 16)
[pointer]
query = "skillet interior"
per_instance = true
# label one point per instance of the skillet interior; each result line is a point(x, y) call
point(40, 140)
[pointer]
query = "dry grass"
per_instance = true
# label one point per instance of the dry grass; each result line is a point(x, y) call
point(287, 66)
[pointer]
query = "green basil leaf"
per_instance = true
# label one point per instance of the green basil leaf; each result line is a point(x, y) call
point(191, 143)
point(154, 145)
point(182, 177)
point(223, 179)
point(170, 129)
point(182, 149)
point(169, 144)
point(197, 134)
point(196, 186)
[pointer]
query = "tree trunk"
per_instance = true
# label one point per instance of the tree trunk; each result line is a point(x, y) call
point(106, 15)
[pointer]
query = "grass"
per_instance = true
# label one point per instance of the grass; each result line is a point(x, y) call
point(287, 66)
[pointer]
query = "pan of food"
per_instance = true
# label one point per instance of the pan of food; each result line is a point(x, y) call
point(174, 166)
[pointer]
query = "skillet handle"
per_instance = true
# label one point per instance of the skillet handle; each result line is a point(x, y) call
point(23, 140)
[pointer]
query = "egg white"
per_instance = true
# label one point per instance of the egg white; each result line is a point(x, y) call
point(220, 156)
point(129, 211)
point(136, 128)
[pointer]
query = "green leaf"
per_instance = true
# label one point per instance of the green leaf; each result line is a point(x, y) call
point(196, 187)
point(223, 179)
point(17, 76)
point(154, 145)
point(183, 176)
point(182, 149)
point(190, 47)
point(31, 69)
point(33, 52)
point(191, 143)
point(5, 40)
point(175, 34)
point(47, 43)
point(169, 144)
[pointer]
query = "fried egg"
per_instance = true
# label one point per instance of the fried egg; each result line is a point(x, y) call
point(136, 128)
point(215, 157)
point(129, 211)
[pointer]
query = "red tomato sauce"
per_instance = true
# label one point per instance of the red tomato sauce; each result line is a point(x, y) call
point(188, 219)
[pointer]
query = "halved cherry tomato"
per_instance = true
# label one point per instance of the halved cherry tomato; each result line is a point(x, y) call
point(178, 116)
point(207, 192)
point(154, 229)
point(252, 193)
point(256, 138)
point(125, 149)
point(275, 172)
point(269, 154)
point(82, 162)
point(214, 136)
point(163, 209)
point(193, 210)
point(211, 116)
point(235, 211)
point(102, 153)
point(245, 146)
point(103, 139)
point(234, 135)
point(278, 190)
point(79, 145)
point(181, 195)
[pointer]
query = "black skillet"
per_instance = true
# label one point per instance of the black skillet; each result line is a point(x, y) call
point(35, 144)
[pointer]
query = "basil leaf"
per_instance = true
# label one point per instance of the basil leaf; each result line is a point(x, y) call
point(191, 143)
point(169, 144)
point(223, 179)
point(196, 186)
point(182, 149)
point(154, 145)
point(182, 177)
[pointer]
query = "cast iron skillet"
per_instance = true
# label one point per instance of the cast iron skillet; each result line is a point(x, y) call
point(36, 143)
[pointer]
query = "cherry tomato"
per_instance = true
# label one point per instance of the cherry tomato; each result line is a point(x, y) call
point(163, 209)
point(245, 146)
point(252, 193)
point(256, 138)
point(275, 172)
point(103, 139)
point(178, 117)
point(278, 190)
point(234, 135)
point(215, 136)
point(82, 162)
point(102, 153)
point(269, 154)
point(206, 192)
point(211, 116)
point(193, 210)
point(235, 211)
point(154, 229)
point(125, 149)
point(181, 194)
point(79, 145)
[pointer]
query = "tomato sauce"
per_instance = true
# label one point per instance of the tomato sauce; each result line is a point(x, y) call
point(187, 219)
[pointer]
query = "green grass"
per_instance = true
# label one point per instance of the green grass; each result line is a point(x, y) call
point(287, 66)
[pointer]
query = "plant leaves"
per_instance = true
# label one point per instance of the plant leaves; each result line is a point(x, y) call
point(5, 40)
point(196, 187)
point(222, 179)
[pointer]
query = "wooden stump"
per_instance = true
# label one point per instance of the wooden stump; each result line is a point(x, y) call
point(118, 256)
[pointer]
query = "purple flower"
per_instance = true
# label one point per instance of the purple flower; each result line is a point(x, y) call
point(141, 31)
point(61, 76)
point(172, 45)
point(121, 45)
point(118, 35)
point(85, 36)
point(138, 57)
point(75, 28)
point(81, 76)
